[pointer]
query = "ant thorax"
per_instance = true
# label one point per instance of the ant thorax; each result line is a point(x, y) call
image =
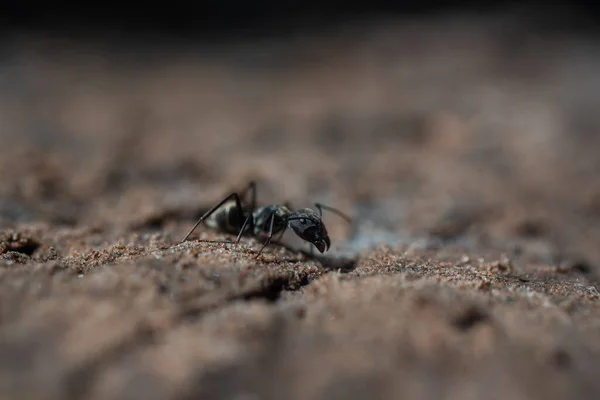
point(262, 219)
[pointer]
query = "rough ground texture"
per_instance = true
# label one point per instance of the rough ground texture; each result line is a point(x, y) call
point(466, 152)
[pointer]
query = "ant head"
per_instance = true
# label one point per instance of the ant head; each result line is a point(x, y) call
point(308, 226)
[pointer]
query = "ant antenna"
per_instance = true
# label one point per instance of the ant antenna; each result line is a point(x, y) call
point(322, 207)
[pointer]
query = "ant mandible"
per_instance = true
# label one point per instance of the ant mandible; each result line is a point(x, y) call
point(239, 218)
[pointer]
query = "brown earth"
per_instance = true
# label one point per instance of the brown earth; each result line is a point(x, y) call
point(466, 152)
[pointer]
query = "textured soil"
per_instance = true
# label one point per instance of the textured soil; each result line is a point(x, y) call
point(466, 152)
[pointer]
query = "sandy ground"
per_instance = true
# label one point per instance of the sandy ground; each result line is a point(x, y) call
point(466, 152)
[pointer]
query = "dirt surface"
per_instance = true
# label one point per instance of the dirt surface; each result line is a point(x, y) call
point(466, 152)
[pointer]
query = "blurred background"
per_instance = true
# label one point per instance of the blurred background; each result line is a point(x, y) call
point(429, 122)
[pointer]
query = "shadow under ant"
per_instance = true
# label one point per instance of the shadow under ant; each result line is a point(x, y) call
point(342, 264)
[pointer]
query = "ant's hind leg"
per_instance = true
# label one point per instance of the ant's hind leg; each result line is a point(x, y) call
point(212, 210)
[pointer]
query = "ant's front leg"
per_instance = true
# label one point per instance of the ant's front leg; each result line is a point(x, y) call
point(248, 219)
point(270, 234)
point(238, 205)
point(280, 235)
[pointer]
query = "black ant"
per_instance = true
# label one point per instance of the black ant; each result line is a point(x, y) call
point(238, 218)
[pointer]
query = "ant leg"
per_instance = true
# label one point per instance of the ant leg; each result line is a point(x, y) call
point(253, 198)
point(239, 236)
point(212, 210)
point(322, 207)
point(270, 234)
point(252, 188)
point(281, 235)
